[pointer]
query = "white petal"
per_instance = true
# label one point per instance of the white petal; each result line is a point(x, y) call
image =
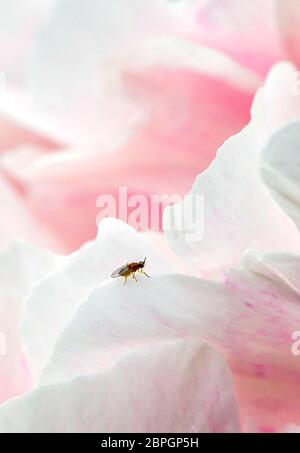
point(281, 169)
point(93, 46)
point(182, 386)
point(65, 69)
point(21, 266)
point(20, 22)
point(116, 317)
point(239, 212)
point(52, 302)
point(250, 318)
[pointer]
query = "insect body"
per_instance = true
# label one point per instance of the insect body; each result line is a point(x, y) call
point(130, 269)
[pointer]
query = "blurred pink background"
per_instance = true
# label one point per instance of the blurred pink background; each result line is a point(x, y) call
point(101, 94)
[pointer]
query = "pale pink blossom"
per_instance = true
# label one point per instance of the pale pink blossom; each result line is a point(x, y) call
point(205, 344)
point(126, 93)
point(95, 381)
point(86, 337)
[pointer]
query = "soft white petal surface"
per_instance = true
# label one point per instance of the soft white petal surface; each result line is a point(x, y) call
point(239, 212)
point(250, 318)
point(20, 23)
point(181, 386)
point(62, 92)
point(281, 169)
point(53, 301)
point(65, 71)
point(21, 266)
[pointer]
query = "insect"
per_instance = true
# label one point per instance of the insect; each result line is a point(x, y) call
point(130, 269)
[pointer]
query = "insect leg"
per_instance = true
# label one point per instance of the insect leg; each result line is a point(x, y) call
point(133, 276)
point(143, 272)
point(125, 280)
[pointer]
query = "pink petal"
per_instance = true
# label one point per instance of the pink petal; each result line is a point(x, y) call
point(289, 24)
point(13, 135)
point(236, 28)
point(18, 221)
point(190, 110)
point(181, 386)
point(239, 210)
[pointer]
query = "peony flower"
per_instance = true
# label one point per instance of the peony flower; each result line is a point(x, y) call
point(233, 185)
point(251, 239)
point(117, 104)
point(84, 384)
point(176, 352)
point(112, 96)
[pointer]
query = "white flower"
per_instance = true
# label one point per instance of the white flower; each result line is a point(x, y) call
point(150, 356)
point(98, 357)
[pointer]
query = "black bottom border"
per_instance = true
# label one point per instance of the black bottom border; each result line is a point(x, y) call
point(134, 442)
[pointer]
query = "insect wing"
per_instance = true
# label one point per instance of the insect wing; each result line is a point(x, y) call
point(121, 271)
